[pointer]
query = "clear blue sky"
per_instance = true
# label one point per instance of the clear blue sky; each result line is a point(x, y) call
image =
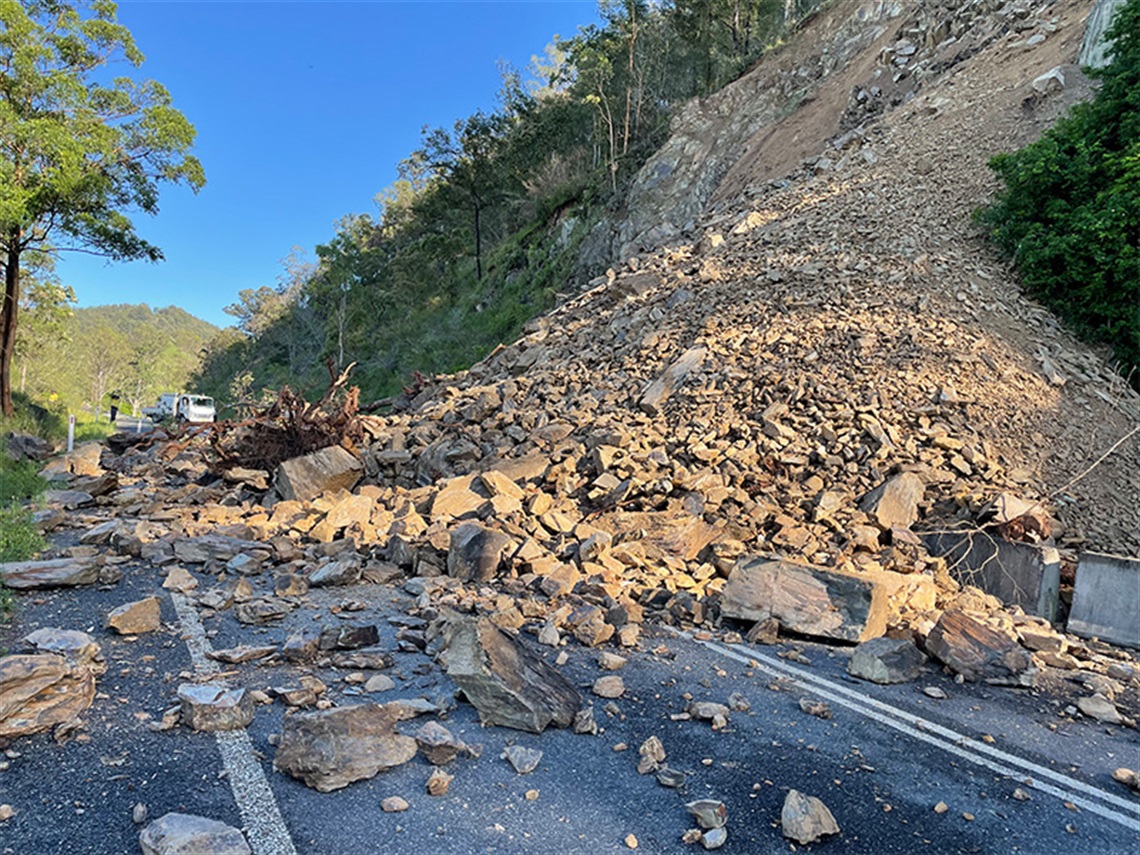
point(303, 110)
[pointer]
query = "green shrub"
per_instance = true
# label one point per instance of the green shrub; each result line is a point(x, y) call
point(1070, 214)
point(19, 481)
point(19, 537)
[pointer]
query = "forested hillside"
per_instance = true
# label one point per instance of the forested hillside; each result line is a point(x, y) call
point(482, 230)
point(88, 354)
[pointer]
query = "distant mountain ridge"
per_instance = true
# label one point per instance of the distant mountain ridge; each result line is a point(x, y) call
point(131, 350)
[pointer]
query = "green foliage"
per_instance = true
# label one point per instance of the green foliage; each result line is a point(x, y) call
point(19, 537)
point(1070, 213)
point(19, 481)
point(132, 350)
point(80, 149)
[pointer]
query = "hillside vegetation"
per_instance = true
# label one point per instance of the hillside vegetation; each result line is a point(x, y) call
point(1070, 213)
point(88, 354)
point(482, 230)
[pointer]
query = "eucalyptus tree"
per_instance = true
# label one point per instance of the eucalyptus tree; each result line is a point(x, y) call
point(80, 150)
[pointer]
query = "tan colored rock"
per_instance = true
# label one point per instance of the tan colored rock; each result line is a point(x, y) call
point(39, 691)
point(805, 819)
point(328, 470)
point(179, 579)
point(895, 502)
point(136, 618)
point(329, 749)
point(609, 687)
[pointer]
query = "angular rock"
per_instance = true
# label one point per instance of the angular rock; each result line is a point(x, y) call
point(24, 446)
point(709, 813)
point(475, 553)
point(439, 782)
point(52, 573)
point(660, 390)
point(242, 653)
point(345, 571)
point(39, 691)
point(330, 469)
point(300, 647)
point(609, 687)
point(895, 502)
point(263, 610)
point(179, 579)
point(349, 637)
point(365, 658)
point(812, 600)
point(438, 744)
point(329, 749)
point(135, 618)
point(186, 834)
point(805, 819)
point(209, 547)
point(507, 683)
point(72, 644)
point(886, 660)
point(977, 652)
point(464, 497)
point(69, 499)
point(1100, 708)
point(524, 760)
point(210, 707)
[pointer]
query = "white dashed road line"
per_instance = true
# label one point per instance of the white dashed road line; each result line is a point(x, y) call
point(1097, 801)
point(264, 826)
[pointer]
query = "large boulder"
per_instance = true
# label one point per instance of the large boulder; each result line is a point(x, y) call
point(475, 552)
point(186, 834)
point(817, 601)
point(506, 682)
point(329, 749)
point(50, 573)
point(328, 470)
point(979, 652)
point(39, 691)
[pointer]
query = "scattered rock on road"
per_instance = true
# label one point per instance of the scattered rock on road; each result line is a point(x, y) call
point(49, 573)
point(136, 618)
point(507, 683)
point(210, 707)
point(40, 691)
point(185, 834)
point(329, 749)
point(886, 660)
point(524, 760)
point(805, 819)
point(978, 652)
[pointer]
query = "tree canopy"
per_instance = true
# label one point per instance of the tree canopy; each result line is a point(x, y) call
point(80, 151)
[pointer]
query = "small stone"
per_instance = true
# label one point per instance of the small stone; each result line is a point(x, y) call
point(531, 795)
point(609, 687)
point(6, 812)
point(1021, 795)
point(611, 661)
point(439, 782)
point(707, 710)
point(394, 804)
point(438, 744)
point(941, 808)
point(805, 819)
point(817, 708)
point(651, 754)
point(738, 703)
point(630, 841)
point(671, 778)
point(934, 692)
point(1127, 777)
point(714, 838)
point(584, 721)
point(379, 683)
point(139, 813)
point(691, 836)
point(524, 760)
point(709, 813)
point(135, 618)
point(549, 635)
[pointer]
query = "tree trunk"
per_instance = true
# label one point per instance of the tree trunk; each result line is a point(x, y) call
point(8, 320)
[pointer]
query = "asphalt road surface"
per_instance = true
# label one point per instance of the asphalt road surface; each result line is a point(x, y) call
point(881, 762)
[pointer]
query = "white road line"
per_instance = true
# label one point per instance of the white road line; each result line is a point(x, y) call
point(265, 827)
point(1063, 787)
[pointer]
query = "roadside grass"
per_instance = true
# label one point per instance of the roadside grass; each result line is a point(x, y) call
point(20, 540)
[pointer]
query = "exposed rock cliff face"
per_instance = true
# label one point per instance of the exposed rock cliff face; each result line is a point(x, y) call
point(1094, 48)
